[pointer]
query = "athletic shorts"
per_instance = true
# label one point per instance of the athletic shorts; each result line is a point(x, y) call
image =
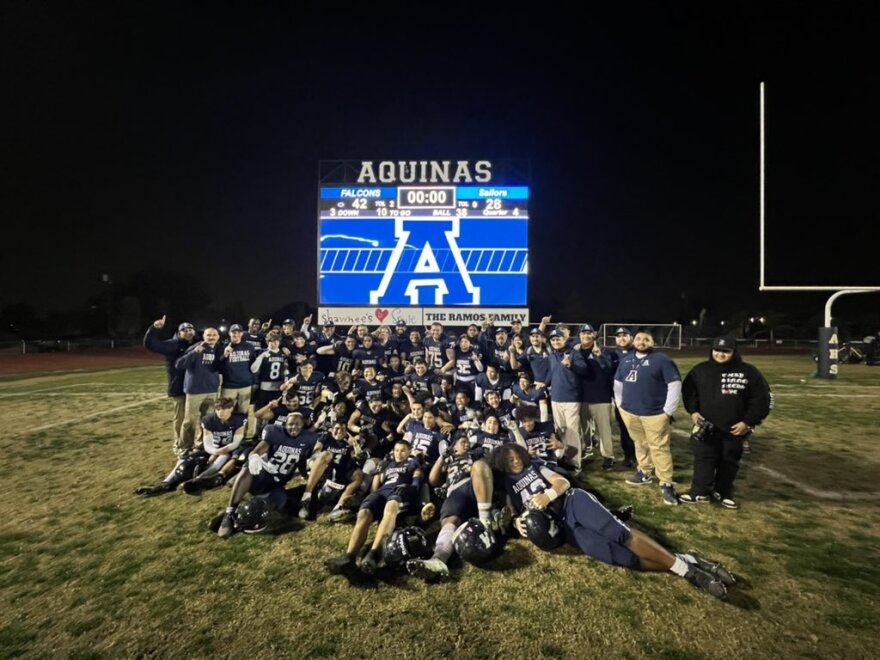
point(375, 503)
point(595, 531)
point(461, 503)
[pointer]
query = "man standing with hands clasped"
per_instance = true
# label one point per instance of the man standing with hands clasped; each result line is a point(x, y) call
point(726, 399)
point(647, 390)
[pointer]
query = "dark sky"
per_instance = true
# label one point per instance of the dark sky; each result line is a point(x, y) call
point(187, 137)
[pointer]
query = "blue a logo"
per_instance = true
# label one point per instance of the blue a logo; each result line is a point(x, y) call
point(439, 276)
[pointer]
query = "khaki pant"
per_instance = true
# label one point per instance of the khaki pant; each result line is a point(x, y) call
point(600, 413)
point(177, 420)
point(652, 435)
point(241, 396)
point(196, 407)
point(567, 419)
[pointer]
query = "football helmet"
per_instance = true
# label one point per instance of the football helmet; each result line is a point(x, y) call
point(403, 544)
point(543, 529)
point(475, 542)
point(252, 517)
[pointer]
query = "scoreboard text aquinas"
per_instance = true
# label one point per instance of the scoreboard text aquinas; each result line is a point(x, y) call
point(447, 233)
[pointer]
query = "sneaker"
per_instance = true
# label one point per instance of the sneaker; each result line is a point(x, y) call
point(304, 511)
point(431, 570)
point(640, 479)
point(340, 515)
point(196, 486)
point(705, 581)
point(227, 526)
point(151, 491)
point(369, 564)
point(670, 497)
point(726, 502)
point(339, 564)
point(717, 570)
point(607, 464)
point(687, 498)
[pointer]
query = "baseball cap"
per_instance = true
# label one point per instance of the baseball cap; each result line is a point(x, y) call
point(535, 331)
point(185, 326)
point(400, 324)
point(556, 333)
point(724, 344)
point(329, 324)
point(622, 331)
point(374, 397)
point(586, 327)
point(504, 330)
point(235, 327)
point(288, 322)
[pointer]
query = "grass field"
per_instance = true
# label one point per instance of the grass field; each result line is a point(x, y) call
point(89, 570)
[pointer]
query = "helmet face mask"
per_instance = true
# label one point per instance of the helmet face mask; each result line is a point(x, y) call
point(475, 542)
point(404, 544)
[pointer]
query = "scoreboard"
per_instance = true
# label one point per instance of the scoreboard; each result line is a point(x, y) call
point(450, 243)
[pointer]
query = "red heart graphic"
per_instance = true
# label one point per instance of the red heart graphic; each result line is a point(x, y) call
point(381, 314)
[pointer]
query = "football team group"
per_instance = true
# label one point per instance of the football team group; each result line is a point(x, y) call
point(466, 440)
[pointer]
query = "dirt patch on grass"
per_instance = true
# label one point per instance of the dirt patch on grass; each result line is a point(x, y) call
point(31, 363)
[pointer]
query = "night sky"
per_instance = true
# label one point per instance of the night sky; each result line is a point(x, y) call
point(187, 137)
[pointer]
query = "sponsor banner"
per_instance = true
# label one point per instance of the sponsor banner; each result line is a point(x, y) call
point(345, 316)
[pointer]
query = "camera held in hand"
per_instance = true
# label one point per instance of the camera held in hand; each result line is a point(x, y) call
point(702, 430)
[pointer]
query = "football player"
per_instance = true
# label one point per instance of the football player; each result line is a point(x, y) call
point(395, 489)
point(590, 527)
point(274, 462)
point(466, 485)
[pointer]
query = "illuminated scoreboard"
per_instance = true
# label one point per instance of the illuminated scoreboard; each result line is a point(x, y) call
point(426, 243)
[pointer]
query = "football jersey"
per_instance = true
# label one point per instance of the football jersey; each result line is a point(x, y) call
point(397, 474)
point(504, 411)
point(364, 389)
point(307, 390)
point(286, 452)
point(343, 458)
point(458, 469)
point(530, 398)
point(533, 480)
point(369, 357)
point(420, 383)
point(537, 438)
point(221, 434)
point(465, 369)
point(486, 442)
point(344, 358)
point(435, 352)
point(430, 442)
point(258, 341)
point(272, 371)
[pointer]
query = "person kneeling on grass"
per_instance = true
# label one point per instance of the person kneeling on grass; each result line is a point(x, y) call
point(222, 434)
point(536, 491)
point(344, 473)
point(395, 490)
point(274, 462)
point(468, 494)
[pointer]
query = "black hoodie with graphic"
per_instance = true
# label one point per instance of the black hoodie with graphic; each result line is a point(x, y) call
point(728, 393)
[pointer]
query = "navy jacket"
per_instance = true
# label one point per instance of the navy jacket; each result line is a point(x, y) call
point(566, 381)
point(202, 369)
point(597, 385)
point(172, 349)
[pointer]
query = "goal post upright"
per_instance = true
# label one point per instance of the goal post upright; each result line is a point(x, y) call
point(828, 340)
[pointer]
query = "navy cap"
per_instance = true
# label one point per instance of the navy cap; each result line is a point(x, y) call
point(235, 327)
point(586, 327)
point(497, 330)
point(535, 331)
point(724, 344)
point(556, 333)
point(185, 326)
point(374, 397)
point(329, 324)
point(288, 322)
point(400, 324)
point(622, 331)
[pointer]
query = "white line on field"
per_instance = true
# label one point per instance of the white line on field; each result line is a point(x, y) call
point(90, 416)
point(838, 396)
point(47, 389)
point(98, 394)
point(840, 496)
point(815, 492)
